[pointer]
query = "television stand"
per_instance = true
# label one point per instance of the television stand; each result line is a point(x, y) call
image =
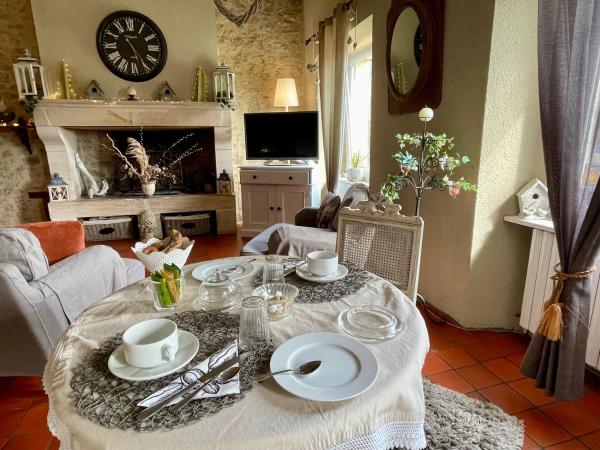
point(286, 162)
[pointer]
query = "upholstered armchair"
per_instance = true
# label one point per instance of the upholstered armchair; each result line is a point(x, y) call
point(42, 293)
point(304, 236)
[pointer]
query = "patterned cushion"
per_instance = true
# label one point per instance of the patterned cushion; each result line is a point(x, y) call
point(327, 210)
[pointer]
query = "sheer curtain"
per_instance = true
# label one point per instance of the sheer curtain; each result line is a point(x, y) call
point(569, 84)
point(333, 57)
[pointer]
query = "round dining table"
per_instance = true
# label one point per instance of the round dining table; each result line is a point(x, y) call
point(389, 415)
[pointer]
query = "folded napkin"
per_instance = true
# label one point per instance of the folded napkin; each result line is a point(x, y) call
point(212, 389)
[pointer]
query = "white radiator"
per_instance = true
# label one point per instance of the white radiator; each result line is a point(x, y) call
point(543, 256)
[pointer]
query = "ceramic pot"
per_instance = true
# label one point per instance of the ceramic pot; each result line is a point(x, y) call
point(353, 174)
point(149, 188)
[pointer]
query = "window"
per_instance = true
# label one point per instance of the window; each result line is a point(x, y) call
point(354, 165)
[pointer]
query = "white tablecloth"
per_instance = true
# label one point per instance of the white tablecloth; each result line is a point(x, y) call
point(390, 414)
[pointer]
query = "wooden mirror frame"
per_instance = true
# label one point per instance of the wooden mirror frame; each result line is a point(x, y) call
point(427, 88)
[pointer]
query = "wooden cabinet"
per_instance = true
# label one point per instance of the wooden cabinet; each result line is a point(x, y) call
point(543, 256)
point(275, 194)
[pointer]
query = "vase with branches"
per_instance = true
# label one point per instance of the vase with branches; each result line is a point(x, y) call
point(426, 162)
point(146, 172)
point(355, 170)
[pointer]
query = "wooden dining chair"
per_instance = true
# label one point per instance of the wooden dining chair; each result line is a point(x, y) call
point(377, 238)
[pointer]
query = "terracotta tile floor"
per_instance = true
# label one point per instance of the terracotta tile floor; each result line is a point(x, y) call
point(481, 364)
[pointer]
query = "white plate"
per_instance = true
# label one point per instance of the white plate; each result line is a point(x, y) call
point(207, 269)
point(302, 272)
point(348, 368)
point(188, 347)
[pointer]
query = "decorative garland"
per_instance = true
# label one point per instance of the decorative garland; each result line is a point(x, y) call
point(238, 19)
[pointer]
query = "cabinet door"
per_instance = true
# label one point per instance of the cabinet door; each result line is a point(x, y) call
point(290, 200)
point(258, 206)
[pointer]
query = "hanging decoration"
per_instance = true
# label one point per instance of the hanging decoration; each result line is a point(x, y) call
point(238, 19)
point(67, 81)
point(200, 91)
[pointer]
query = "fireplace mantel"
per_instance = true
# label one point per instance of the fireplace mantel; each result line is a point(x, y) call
point(59, 121)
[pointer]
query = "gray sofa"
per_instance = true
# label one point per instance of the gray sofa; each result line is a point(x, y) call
point(39, 301)
point(303, 236)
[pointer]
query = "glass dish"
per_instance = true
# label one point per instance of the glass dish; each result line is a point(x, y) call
point(279, 297)
point(218, 292)
point(369, 323)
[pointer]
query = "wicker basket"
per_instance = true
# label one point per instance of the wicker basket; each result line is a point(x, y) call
point(108, 228)
point(190, 225)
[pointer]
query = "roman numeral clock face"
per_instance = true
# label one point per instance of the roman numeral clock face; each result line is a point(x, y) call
point(131, 46)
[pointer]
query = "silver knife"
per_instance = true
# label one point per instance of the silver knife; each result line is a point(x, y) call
point(150, 411)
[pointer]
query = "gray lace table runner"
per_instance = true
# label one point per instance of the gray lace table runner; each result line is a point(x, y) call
point(112, 402)
point(310, 292)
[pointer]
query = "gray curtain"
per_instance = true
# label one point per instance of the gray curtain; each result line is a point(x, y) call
point(333, 56)
point(569, 84)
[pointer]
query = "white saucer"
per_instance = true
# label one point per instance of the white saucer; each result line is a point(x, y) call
point(207, 269)
point(188, 347)
point(348, 368)
point(302, 272)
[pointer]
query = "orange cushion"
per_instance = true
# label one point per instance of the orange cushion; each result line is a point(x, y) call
point(58, 239)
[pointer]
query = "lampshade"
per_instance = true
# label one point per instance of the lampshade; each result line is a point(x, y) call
point(285, 93)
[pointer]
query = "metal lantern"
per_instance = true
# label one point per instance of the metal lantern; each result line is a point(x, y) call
point(224, 184)
point(224, 84)
point(58, 189)
point(30, 76)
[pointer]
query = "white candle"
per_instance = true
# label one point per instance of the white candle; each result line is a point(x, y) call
point(426, 114)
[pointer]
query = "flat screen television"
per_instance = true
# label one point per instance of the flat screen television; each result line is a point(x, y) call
point(282, 135)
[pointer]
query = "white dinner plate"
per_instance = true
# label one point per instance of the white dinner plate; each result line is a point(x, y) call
point(207, 269)
point(188, 347)
point(302, 272)
point(348, 368)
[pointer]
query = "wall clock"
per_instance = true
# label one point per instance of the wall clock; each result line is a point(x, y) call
point(131, 46)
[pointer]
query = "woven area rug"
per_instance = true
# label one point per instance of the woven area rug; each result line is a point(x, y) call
point(455, 421)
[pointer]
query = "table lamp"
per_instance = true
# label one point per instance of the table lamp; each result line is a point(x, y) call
point(285, 93)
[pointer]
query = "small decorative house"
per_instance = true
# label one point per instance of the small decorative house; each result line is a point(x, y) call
point(58, 189)
point(94, 92)
point(224, 184)
point(165, 93)
point(533, 200)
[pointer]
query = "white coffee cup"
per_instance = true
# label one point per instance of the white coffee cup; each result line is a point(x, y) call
point(151, 343)
point(322, 262)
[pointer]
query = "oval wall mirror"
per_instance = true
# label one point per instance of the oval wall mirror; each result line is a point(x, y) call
point(415, 33)
point(403, 58)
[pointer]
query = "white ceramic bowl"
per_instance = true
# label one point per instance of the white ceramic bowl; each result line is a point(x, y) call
point(155, 261)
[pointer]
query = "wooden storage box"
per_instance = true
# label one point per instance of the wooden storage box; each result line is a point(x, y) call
point(187, 225)
point(108, 228)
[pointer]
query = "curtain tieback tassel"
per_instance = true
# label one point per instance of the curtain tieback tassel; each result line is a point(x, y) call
point(552, 323)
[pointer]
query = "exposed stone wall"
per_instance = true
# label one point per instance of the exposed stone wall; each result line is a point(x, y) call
point(20, 172)
point(268, 47)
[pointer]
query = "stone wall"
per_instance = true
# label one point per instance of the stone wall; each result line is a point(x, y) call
point(268, 47)
point(21, 172)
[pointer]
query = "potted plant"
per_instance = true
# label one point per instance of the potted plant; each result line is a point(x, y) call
point(356, 172)
point(426, 163)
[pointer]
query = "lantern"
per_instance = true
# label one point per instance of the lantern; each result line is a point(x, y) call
point(224, 84)
point(224, 184)
point(30, 76)
point(58, 189)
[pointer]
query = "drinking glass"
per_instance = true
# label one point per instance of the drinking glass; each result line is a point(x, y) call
point(167, 294)
point(273, 270)
point(254, 324)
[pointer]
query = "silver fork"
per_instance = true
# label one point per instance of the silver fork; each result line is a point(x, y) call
point(233, 269)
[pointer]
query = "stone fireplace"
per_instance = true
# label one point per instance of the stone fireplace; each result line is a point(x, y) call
point(80, 126)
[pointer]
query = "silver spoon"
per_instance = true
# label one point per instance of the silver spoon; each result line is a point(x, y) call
point(223, 376)
point(304, 369)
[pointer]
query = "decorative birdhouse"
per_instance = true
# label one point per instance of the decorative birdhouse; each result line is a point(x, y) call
point(224, 184)
point(533, 200)
point(58, 189)
point(30, 76)
point(94, 91)
point(224, 84)
point(165, 93)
